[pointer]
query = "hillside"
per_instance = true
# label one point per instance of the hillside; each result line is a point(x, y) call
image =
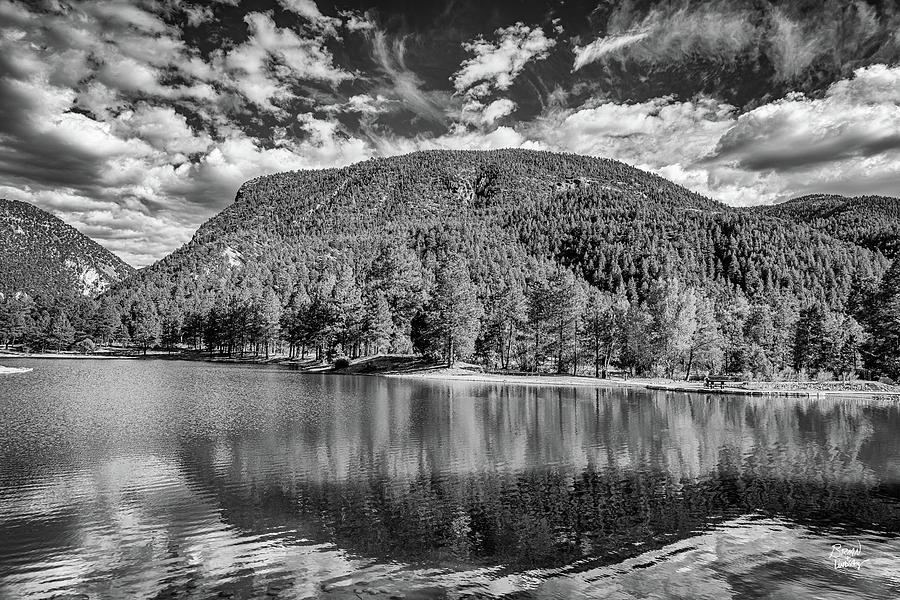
point(40, 254)
point(508, 212)
point(872, 222)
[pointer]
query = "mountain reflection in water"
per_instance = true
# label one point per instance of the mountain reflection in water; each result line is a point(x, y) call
point(145, 479)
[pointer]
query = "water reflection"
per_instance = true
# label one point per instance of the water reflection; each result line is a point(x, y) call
point(190, 480)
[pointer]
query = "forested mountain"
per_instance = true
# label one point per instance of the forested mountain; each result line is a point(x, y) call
point(517, 259)
point(872, 222)
point(41, 255)
point(505, 212)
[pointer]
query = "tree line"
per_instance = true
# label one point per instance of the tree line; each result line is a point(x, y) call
point(551, 321)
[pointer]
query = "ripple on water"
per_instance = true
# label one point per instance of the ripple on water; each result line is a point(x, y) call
point(142, 479)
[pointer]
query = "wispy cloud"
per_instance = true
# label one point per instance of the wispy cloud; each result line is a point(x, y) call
point(604, 46)
point(405, 85)
point(670, 33)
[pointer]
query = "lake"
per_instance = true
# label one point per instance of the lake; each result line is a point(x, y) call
point(170, 479)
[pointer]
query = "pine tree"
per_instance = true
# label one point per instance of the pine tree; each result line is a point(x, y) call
point(60, 333)
point(451, 317)
point(379, 325)
point(883, 349)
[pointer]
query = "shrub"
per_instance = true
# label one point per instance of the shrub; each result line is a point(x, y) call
point(86, 346)
point(341, 362)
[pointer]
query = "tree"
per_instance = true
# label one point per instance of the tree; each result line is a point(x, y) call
point(451, 317)
point(60, 333)
point(172, 329)
point(14, 319)
point(705, 350)
point(507, 314)
point(269, 319)
point(638, 344)
point(564, 300)
point(106, 321)
point(673, 310)
point(810, 339)
point(379, 325)
point(145, 325)
point(850, 339)
point(602, 326)
point(883, 348)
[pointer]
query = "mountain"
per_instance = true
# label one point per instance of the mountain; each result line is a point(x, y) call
point(872, 222)
point(510, 214)
point(41, 255)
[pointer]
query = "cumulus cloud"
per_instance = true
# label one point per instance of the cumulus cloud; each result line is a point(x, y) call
point(97, 129)
point(477, 113)
point(659, 132)
point(858, 117)
point(295, 57)
point(496, 64)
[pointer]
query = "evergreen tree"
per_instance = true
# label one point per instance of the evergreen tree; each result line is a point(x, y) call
point(451, 317)
point(145, 326)
point(60, 334)
point(379, 324)
point(883, 349)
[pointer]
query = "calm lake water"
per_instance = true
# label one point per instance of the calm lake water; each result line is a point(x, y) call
point(154, 479)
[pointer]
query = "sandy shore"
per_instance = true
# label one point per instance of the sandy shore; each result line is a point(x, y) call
point(412, 367)
point(773, 389)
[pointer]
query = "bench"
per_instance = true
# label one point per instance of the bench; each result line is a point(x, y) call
point(611, 374)
point(720, 381)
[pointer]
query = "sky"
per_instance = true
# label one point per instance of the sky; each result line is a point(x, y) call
point(136, 121)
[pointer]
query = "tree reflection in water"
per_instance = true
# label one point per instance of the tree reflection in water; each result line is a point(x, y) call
point(534, 477)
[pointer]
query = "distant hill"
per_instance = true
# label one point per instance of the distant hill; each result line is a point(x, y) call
point(40, 254)
point(510, 213)
point(872, 222)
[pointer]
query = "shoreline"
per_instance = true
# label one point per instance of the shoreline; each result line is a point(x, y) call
point(652, 384)
point(410, 367)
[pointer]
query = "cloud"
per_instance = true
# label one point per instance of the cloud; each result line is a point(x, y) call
point(354, 21)
point(659, 132)
point(197, 15)
point(310, 11)
point(858, 117)
point(671, 34)
point(134, 131)
point(404, 84)
point(793, 48)
point(606, 45)
point(496, 65)
point(144, 139)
